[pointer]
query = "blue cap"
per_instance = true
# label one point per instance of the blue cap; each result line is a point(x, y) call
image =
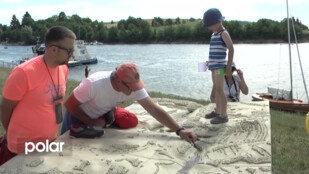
point(211, 17)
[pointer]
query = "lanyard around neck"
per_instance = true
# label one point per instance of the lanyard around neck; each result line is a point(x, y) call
point(57, 91)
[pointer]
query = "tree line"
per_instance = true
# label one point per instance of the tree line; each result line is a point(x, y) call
point(137, 30)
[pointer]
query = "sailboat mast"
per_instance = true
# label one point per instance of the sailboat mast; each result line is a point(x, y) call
point(289, 39)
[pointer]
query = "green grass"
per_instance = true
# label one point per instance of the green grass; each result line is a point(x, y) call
point(290, 142)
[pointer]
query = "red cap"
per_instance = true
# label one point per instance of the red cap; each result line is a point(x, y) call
point(128, 72)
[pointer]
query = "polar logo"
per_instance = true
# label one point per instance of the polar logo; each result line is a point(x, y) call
point(41, 147)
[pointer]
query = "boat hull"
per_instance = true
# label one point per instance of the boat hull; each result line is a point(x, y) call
point(82, 62)
point(287, 105)
point(89, 61)
point(74, 63)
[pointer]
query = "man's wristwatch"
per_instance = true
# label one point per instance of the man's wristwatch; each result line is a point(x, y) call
point(178, 130)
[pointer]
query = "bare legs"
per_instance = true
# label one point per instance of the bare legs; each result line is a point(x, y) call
point(220, 98)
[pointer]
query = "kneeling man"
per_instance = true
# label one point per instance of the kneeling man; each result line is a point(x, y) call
point(93, 104)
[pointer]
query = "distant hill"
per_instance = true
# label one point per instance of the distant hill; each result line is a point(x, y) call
point(182, 21)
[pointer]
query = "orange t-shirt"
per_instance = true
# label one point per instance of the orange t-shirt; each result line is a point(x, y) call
point(33, 118)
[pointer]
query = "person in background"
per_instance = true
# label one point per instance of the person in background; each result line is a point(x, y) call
point(93, 104)
point(31, 108)
point(87, 70)
point(220, 42)
point(233, 86)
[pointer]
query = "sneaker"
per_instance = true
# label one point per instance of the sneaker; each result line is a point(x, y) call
point(219, 120)
point(109, 118)
point(83, 131)
point(211, 115)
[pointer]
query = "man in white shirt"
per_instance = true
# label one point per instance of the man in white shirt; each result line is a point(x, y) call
point(92, 104)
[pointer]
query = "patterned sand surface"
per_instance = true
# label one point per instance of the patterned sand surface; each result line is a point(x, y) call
point(243, 145)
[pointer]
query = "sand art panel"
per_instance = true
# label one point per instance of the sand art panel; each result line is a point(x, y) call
point(242, 145)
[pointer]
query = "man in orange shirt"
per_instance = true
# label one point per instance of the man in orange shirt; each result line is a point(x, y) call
point(31, 108)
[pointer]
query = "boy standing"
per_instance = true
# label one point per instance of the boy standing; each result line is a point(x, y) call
point(220, 41)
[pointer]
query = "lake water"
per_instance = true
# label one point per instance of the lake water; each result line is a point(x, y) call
point(173, 68)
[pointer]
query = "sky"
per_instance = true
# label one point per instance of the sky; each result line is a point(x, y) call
point(108, 10)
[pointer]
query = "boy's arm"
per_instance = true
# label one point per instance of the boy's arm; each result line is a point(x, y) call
point(229, 44)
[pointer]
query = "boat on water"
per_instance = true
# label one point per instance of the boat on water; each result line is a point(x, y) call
point(295, 105)
point(38, 48)
point(95, 43)
point(283, 99)
point(81, 55)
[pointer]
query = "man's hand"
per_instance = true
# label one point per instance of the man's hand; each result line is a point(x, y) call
point(240, 73)
point(188, 135)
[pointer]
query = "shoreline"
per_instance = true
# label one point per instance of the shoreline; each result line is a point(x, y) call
point(261, 41)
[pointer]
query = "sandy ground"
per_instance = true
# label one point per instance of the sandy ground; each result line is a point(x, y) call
point(243, 145)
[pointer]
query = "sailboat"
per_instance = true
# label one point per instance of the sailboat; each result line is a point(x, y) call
point(283, 99)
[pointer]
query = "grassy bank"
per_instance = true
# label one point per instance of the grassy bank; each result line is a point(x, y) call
point(290, 142)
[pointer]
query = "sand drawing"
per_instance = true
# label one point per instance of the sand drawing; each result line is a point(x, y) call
point(135, 162)
point(35, 163)
point(189, 164)
point(57, 171)
point(82, 165)
point(242, 145)
point(265, 169)
point(117, 170)
point(251, 170)
point(166, 154)
point(124, 148)
point(108, 162)
point(158, 164)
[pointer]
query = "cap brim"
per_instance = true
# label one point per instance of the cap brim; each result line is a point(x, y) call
point(136, 86)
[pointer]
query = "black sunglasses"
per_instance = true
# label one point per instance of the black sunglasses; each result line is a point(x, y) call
point(70, 51)
point(125, 84)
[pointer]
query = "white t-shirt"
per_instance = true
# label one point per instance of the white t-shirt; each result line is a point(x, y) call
point(230, 90)
point(98, 96)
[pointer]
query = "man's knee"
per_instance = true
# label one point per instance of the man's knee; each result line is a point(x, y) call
point(125, 119)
